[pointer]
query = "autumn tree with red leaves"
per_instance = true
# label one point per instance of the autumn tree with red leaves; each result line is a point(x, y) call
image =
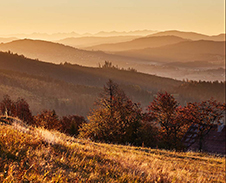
point(20, 109)
point(174, 120)
point(204, 115)
point(47, 119)
point(115, 119)
point(170, 118)
point(71, 124)
point(7, 106)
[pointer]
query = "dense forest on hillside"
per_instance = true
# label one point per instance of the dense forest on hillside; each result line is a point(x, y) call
point(65, 98)
point(70, 89)
point(84, 75)
point(46, 93)
point(51, 104)
point(115, 118)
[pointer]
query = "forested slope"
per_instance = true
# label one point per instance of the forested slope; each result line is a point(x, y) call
point(72, 89)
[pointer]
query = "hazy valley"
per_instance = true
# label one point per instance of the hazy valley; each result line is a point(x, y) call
point(41, 84)
point(192, 56)
point(112, 91)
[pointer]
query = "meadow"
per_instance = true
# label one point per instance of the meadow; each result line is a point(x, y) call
point(29, 154)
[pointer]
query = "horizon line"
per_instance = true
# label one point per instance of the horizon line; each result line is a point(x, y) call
point(104, 31)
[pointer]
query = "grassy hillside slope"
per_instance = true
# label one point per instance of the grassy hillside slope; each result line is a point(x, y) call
point(34, 154)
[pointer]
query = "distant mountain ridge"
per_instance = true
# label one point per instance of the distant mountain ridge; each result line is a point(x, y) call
point(59, 53)
point(202, 50)
point(156, 40)
point(7, 39)
point(63, 35)
point(81, 42)
point(190, 35)
point(139, 43)
point(201, 54)
point(120, 33)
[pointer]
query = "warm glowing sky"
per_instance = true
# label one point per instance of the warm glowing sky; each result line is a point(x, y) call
point(51, 16)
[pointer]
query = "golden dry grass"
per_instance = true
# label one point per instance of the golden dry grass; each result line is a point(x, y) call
point(37, 155)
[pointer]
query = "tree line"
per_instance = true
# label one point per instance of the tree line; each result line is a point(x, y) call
point(46, 118)
point(117, 119)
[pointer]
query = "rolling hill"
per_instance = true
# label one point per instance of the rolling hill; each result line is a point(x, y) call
point(83, 75)
point(46, 93)
point(81, 42)
point(139, 43)
point(72, 89)
point(190, 35)
point(37, 155)
point(202, 53)
point(51, 52)
point(7, 39)
point(59, 53)
point(186, 51)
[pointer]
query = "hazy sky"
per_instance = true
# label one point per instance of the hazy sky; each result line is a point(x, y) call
point(51, 16)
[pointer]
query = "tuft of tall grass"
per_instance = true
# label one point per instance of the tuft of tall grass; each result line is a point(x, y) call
point(30, 154)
